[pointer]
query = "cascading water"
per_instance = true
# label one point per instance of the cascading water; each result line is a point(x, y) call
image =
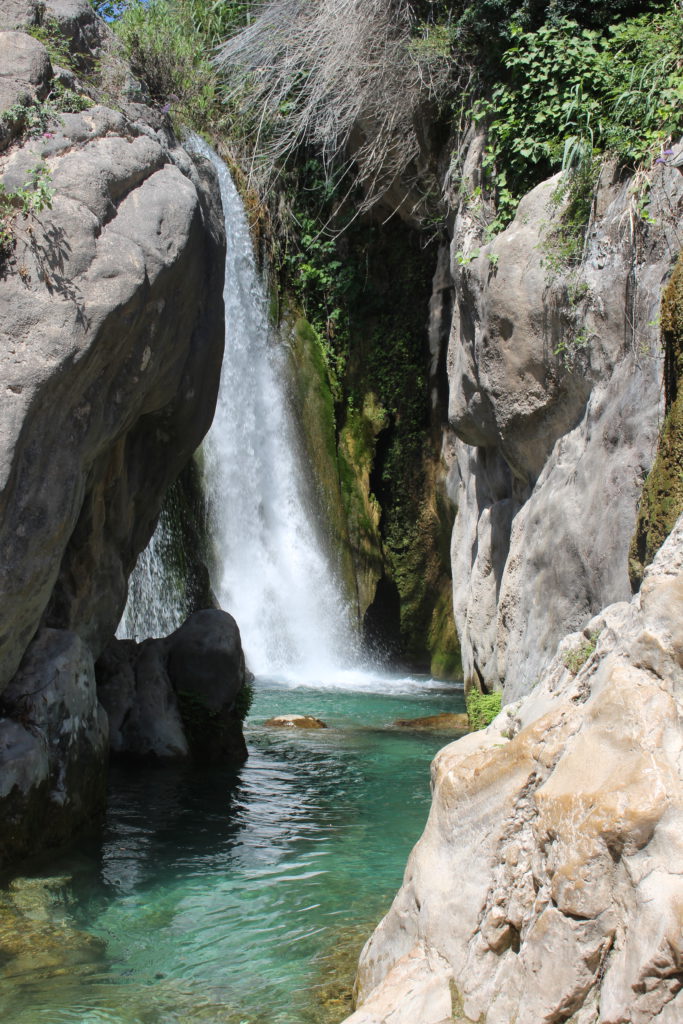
point(156, 606)
point(271, 570)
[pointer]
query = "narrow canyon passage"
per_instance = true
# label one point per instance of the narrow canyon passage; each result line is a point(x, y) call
point(241, 895)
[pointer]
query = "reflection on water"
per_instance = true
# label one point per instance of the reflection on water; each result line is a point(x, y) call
point(231, 896)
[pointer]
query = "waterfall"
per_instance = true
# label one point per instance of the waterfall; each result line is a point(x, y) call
point(271, 569)
point(156, 603)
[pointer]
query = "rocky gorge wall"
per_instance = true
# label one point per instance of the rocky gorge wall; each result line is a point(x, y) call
point(546, 885)
point(112, 337)
point(555, 372)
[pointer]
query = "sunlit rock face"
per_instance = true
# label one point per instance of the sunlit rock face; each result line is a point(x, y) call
point(555, 374)
point(111, 338)
point(547, 882)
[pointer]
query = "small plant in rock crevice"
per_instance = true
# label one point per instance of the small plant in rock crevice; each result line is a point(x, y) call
point(35, 195)
point(30, 120)
point(563, 243)
point(482, 708)
point(576, 658)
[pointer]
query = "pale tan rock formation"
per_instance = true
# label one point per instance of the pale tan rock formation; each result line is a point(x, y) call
point(295, 722)
point(547, 886)
point(445, 722)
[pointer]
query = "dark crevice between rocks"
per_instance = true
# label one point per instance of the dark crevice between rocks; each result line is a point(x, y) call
point(382, 622)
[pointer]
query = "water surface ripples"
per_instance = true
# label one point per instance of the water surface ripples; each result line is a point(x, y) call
point(225, 896)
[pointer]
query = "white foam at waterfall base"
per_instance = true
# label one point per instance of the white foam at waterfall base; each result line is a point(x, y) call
point(271, 570)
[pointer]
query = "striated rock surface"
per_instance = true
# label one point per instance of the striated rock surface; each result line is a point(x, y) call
point(111, 339)
point(177, 697)
point(547, 885)
point(555, 375)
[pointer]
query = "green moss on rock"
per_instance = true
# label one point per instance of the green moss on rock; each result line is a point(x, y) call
point(482, 708)
point(442, 640)
point(662, 499)
point(316, 416)
point(357, 442)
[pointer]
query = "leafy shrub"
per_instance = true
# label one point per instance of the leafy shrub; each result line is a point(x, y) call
point(570, 94)
point(26, 119)
point(166, 52)
point(575, 659)
point(482, 708)
point(32, 197)
point(169, 44)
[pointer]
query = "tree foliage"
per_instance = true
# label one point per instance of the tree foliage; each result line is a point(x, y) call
point(568, 94)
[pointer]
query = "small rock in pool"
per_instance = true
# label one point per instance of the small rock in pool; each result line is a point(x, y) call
point(445, 722)
point(296, 722)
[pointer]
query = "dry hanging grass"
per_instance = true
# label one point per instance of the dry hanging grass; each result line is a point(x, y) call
point(346, 77)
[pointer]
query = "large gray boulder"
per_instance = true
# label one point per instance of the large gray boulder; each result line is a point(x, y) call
point(547, 884)
point(111, 330)
point(25, 74)
point(53, 747)
point(111, 340)
point(18, 14)
point(555, 405)
point(178, 697)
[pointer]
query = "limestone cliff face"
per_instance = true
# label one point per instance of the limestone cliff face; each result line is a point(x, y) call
point(111, 332)
point(547, 885)
point(555, 376)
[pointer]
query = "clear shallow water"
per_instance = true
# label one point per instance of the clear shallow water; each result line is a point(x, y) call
point(237, 897)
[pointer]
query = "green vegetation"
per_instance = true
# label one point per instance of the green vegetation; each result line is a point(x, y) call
point(29, 120)
point(27, 200)
point(482, 708)
point(244, 700)
point(570, 94)
point(169, 44)
point(575, 659)
point(55, 42)
point(662, 499)
point(556, 84)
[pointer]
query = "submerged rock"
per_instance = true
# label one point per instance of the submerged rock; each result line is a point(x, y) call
point(445, 722)
point(296, 722)
point(36, 934)
point(547, 882)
